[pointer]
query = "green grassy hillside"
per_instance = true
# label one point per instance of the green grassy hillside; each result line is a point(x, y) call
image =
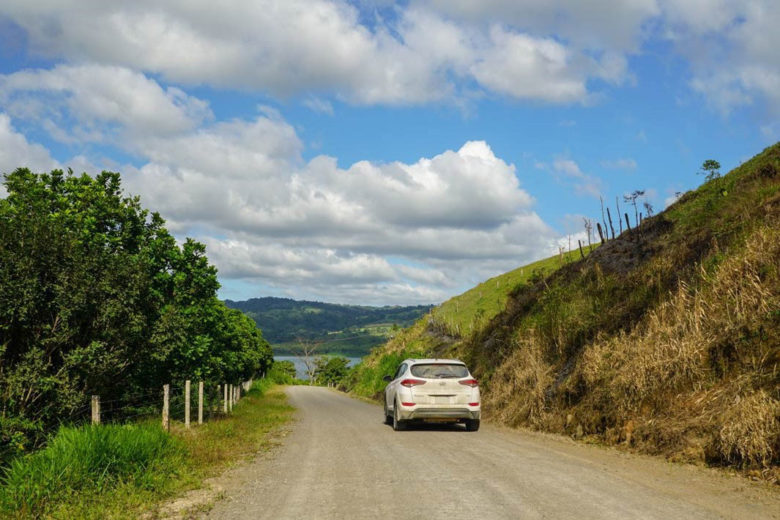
point(472, 310)
point(665, 340)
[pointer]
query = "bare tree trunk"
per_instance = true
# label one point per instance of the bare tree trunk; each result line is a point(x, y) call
point(628, 226)
point(601, 234)
point(581, 253)
point(610, 224)
point(603, 221)
point(620, 222)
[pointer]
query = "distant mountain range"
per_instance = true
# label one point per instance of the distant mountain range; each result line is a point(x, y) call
point(350, 330)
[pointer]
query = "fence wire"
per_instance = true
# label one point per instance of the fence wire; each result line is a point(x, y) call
point(148, 404)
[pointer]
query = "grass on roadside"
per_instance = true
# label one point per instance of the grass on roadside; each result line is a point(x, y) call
point(123, 471)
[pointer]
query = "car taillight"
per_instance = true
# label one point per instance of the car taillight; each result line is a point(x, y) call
point(469, 382)
point(473, 404)
point(408, 383)
point(407, 404)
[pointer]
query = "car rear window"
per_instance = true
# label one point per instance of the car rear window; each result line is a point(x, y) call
point(439, 370)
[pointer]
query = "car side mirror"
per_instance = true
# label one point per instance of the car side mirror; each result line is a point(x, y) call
point(387, 379)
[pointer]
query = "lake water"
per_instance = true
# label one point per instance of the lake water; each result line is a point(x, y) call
point(300, 368)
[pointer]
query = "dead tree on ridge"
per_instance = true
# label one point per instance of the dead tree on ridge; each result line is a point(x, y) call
point(588, 230)
point(632, 200)
point(611, 227)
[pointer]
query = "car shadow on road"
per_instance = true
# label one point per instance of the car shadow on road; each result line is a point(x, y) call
point(435, 427)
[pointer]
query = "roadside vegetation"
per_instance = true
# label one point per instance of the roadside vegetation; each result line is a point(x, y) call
point(663, 340)
point(98, 298)
point(125, 471)
point(324, 370)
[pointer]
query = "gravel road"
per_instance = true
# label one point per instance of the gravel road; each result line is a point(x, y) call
point(342, 462)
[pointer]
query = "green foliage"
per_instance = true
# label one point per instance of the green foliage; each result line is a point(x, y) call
point(365, 379)
point(122, 472)
point(96, 297)
point(331, 369)
point(710, 169)
point(283, 373)
point(89, 459)
point(349, 330)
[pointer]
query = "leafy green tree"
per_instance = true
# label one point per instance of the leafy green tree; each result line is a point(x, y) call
point(331, 369)
point(283, 373)
point(286, 367)
point(96, 297)
point(710, 169)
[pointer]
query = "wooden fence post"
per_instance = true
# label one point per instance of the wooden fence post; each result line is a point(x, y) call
point(166, 423)
point(200, 402)
point(611, 227)
point(95, 409)
point(231, 395)
point(224, 405)
point(581, 253)
point(187, 403)
point(628, 225)
point(601, 234)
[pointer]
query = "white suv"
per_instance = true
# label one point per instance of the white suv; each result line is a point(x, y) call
point(440, 390)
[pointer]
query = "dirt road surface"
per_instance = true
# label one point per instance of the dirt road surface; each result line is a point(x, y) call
point(342, 462)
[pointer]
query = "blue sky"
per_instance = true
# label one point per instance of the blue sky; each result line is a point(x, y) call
point(379, 153)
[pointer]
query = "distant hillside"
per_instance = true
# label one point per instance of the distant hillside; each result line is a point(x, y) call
point(345, 329)
point(664, 340)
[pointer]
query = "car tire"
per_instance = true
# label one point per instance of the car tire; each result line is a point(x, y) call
point(388, 418)
point(398, 424)
point(472, 425)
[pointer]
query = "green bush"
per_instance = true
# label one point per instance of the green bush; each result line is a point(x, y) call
point(96, 458)
point(366, 380)
point(283, 373)
point(331, 370)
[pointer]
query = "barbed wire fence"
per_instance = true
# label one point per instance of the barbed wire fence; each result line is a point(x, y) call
point(187, 403)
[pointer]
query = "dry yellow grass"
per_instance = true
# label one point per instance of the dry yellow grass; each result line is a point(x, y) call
point(658, 386)
point(526, 374)
point(749, 428)
point(650, 370)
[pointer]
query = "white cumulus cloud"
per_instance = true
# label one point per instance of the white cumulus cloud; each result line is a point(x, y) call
point(423, 53)
point(90, 102)
point(17, 152)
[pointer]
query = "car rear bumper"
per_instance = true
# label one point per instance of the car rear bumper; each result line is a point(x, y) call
point(421, 412)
